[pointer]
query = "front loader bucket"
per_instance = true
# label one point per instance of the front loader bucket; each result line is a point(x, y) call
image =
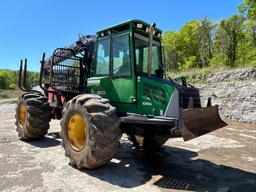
point(199, 121)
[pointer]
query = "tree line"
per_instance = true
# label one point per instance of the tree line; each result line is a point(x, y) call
point(201, 43)
point(9, 79)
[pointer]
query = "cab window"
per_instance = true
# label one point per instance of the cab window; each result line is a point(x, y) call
point(121, 56)
point(141, 52)
point(103, 57)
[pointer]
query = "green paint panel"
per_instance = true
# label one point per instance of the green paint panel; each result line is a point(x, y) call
point(120, 91)
point(153, 96)
point(99, 85)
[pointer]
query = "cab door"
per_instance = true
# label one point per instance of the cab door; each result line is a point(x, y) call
point(122, 80)
point(113, 77)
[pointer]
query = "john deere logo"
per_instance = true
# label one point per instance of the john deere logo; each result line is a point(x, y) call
point(146, 103)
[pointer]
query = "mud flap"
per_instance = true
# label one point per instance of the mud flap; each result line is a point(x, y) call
point(199, 121)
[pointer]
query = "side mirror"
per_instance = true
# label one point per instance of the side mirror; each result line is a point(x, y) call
point(159, 72)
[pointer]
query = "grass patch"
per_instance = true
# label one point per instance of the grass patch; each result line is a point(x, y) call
point(196, 75)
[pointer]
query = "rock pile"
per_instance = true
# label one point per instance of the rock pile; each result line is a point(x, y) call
point(237, 99)
point(233, 75)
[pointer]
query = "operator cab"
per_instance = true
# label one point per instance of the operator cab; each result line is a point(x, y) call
point(124, 49)
point(127, 62)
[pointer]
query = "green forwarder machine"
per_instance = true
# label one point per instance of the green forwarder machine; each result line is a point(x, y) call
point(107, 84)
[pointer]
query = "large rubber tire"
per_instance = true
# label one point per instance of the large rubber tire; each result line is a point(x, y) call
point(148, 143)
point(102, 128)
point(37, 116)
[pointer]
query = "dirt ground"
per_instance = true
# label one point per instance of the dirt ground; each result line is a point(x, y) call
point(222, 161)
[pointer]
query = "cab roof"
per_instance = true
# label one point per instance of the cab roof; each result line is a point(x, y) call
point(128, 25)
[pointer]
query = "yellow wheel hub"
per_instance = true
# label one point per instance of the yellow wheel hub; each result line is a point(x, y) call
point(22, 114)
point(77, 131)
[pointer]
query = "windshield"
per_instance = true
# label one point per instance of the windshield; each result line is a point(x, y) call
point(141, 52)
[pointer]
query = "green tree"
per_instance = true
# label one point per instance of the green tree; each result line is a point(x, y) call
point(204, 41)
point(246, 52)
point(251, 28)
point(220, 47)
point(188, 36)
point(248, 8)
point(172, 45)
point(181, 47)
point(2, 82)
point(228, 35)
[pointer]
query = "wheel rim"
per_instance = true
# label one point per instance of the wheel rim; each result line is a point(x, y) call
point(77, 130)
point(22, 113)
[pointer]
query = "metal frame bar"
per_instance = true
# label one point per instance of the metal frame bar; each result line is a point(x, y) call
point(41, 76)
point(20, 76)
point(23, 78)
